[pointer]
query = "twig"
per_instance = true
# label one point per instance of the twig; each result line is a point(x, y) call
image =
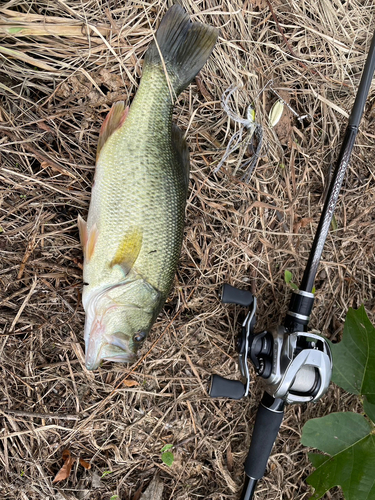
point(27, 298)
point(33, 431)
point(32, 414)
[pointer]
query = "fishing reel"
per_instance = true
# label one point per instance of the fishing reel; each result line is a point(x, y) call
point(295, 367)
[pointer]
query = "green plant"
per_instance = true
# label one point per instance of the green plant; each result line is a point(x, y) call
point(348, 439)
point(288, 276)
point(106, 473)
point(167, 456)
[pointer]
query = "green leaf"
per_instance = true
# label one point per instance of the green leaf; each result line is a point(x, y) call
point(317, 459)
point(335, 432)
point(288, 276)
point(166, 447)
point(106, 473)
point(14, 30)
point(349, 442)
point(334, 224)
point(369, 409)
point(114, 497)
point(354, 356)
point(168, 458)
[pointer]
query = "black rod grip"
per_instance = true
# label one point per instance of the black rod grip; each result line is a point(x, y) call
point(267, 424)
point(221, 387)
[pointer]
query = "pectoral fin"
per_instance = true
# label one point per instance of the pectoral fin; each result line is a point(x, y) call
point(88, 238)
point(128, 250)
point(113, 121)
point(91, 242)
point(82, 228)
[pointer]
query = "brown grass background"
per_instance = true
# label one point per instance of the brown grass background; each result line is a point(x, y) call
point(63, 64)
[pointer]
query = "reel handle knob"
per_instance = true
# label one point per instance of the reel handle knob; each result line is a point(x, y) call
point(221, 387)
point(233, 295)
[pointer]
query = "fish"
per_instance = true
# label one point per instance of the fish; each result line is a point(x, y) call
point(133, 234)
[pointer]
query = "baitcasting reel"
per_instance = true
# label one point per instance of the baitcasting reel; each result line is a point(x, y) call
point(296, 367)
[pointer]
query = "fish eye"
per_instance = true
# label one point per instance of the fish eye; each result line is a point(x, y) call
point(139, 336)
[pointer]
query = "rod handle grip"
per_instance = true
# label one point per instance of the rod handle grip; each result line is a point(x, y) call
point(266, 428)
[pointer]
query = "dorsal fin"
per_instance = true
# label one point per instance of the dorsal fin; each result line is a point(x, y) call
point(182, 151)
point(112, 122)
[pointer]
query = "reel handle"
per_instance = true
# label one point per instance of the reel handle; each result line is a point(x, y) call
point(221, 387)
point(232, 295)
point(267, 424)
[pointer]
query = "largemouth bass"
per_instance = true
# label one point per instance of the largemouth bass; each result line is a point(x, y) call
point(133, 234)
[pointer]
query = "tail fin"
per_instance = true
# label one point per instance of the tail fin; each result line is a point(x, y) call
point(184, 45)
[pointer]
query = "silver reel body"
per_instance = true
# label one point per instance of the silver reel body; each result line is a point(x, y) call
point(301, 366)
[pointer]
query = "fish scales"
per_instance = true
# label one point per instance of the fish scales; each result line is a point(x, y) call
point(133, 235)
point(141, 155)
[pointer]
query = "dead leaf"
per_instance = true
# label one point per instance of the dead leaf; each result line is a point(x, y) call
point(262, 4)
point(138, 493)
point(44, 126)
point(84, 464)
point(65, 470)
point(154, 490)
point(96, 482)
point(130, 383)
point(301, 224)
point(306, 221)
point(202, 89)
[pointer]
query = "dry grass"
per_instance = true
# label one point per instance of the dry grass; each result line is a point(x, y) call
point(63, 64)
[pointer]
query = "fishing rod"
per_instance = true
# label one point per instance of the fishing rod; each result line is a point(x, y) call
point(295, 365)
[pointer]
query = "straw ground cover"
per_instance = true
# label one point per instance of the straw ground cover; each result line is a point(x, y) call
point(63, 64)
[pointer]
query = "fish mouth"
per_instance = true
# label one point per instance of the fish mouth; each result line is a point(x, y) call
point(110, 347)
point(109, 352)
